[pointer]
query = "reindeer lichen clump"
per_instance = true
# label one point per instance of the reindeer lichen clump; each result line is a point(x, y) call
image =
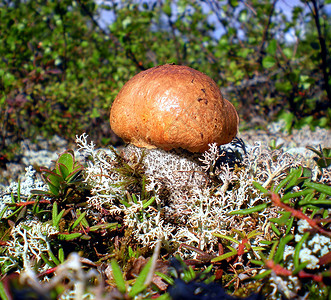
point(193, 195)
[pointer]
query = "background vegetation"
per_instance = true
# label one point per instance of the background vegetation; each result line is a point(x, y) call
point(60, 70)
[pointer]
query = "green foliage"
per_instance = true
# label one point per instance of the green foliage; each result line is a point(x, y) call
point(308, 198)
point(243, 246)
point(61, 179)
point(61, 70)
point(324, 156)
point(62, 207)
point(129, 290)
point(186, 273)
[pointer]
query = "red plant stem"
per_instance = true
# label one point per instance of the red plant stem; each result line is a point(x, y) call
point(280, 271)
point(31, 203)
point(47, 272)
point(303, 274)
point(298, 214)
point(242, 247)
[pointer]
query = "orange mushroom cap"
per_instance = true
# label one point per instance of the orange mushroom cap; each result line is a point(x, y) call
point(173, 106)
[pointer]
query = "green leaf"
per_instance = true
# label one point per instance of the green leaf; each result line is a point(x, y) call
point(58, 218)
point(260, 187)
point(257, 262)
point(3, 294)
point(18, 210)
point(3, 211)
point(61, 255)
point(283, 220)
point(307, 200)
point(272, 47)
point(275, 229)
point(165, 277)
point(229, 238)
point(297, 194)
point(54, 213)
point(326, 152)
point(273, 250)
point(62, 170)
point(78, 220)
point(47, 261)
point(134, 199)
point(283, 183)
point(139, 285)
point(53, 257)
point(167, 9)
point(51, 176)
point(224, 256)
point(280, 251)
point(288, 53)
point(247, 211)
point(53, 181)
point(289, 225)
point(39, 192)
point(300, 267)
point(262, 275)
point(253, 233)
point(70, 236)
point(295, 175)
point(126, 204)
point(67, 159)
point(104, 226)
point(73, 176)
point(268, 62)
point(55, 216)
point(234, 3)
point(53, 189)
point(314, 150)
point(118, 277)
point(258, 248)
point(321, 201)
point(319, 187)
point(165, 296)
point(149, 202)
point(324, 162)
point(83, 221)
point(297, 249)
point(266, 242)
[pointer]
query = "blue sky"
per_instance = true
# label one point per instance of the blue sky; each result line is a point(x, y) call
point(285, 6)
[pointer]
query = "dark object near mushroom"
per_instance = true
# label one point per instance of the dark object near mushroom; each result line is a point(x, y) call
point(198, 290)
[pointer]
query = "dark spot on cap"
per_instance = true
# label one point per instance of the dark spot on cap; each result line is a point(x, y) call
point(205, 100)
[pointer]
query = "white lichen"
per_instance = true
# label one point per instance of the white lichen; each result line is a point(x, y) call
point(314, 247)
point(29, 240)
point(20, 191)
point(189, 207)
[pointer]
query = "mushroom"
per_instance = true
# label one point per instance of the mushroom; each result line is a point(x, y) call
point(172, 106)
